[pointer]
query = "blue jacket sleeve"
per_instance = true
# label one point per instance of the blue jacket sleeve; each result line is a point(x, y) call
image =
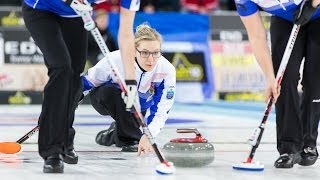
point(246, 7)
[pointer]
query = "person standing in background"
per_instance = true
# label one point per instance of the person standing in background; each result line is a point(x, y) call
point(200, 6)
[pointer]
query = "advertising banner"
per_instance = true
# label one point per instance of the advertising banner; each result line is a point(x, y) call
point(190, 67)
point(23, 77)
point(20, 97)
point(237, 75)
point(236, 69)
point(17, 47)
point(22, 84)
point(11, 16)
point(191, 73)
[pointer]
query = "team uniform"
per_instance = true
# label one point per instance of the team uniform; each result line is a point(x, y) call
point(281, 8)
point(297, 124)
point(59, 32)
point(62, 9)
point(156, 90)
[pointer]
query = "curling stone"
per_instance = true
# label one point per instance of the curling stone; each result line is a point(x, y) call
point(189, 152)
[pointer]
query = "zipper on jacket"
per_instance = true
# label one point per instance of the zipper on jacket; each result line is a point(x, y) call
point(140, 79)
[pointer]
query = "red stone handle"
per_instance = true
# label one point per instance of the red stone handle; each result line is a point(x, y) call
point(197, 139)
point(189, 130)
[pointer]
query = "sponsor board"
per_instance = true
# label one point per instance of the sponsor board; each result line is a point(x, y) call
point(191, 74)
point(235, 67)
point(27, 97)
point(241, 96)
point(18, 47)
point(238, 79)
point(23, 77)
point(190, 67)
point(227, 26)
point(236, 71)
point(20, 97)
point(11, 16)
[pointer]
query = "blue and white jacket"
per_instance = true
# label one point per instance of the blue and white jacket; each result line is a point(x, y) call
point(62, 9)
point(156, 88)
point(281, 8)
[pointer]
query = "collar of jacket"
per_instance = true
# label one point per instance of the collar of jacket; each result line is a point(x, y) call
point(143, 70)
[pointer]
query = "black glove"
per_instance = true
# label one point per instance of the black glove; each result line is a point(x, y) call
point(303, 14)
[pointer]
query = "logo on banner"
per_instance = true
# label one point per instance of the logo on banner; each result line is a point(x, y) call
point(13, 19)
point(19, 98)
point(20, 50)
point(186, 71)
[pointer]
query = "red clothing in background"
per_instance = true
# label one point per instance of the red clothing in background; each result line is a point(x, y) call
point(200, 6)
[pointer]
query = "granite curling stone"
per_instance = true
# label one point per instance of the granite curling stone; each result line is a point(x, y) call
point(189, 152)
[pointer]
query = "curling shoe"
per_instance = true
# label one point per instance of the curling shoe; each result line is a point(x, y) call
point(130, 148)
point(70, 157)
point(53, 164)
point(309, 156)
point(107, 137)
point(287, 160)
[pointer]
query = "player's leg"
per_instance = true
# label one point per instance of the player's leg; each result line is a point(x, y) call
point(108, 136)
point(289, 125)
point(75, 37)
point(310, 105)
point(126, 129)
point(45, 30)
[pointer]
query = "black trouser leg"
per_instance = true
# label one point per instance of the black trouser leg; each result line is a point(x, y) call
point(71, 131)
point(107, 99)
point(60, 42)
point(77, 43)
point(310, 106)
point(289, 124)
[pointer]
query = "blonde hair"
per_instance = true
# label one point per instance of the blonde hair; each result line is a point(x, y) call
point(145, 32)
